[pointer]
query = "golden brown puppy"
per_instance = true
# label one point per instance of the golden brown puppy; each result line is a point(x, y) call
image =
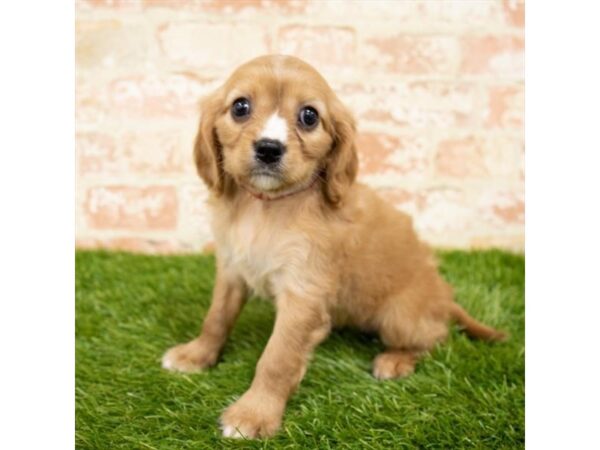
point(276, 148)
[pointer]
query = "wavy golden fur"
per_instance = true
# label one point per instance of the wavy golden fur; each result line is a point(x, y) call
point(328, 250)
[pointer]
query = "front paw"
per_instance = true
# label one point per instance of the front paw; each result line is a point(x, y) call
point(252, 416)
point(190, 357)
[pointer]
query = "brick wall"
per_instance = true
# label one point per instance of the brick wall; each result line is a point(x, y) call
point(437, 88)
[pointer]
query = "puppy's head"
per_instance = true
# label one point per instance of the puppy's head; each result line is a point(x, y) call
point(273, 128)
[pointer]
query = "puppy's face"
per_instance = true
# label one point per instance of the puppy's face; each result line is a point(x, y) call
point(274, 127)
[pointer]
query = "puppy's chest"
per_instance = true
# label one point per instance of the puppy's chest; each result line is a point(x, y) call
point(260, 250)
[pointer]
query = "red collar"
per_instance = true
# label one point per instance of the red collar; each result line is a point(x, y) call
point(263, 196)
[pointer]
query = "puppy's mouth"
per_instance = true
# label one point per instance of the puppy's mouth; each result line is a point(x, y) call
point(266, 179)
point(270, 184)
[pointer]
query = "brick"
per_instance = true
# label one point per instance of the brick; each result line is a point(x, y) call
point(231, 6)
point(512, 241)
point(421, 104)
point(362, 10)
point(501, 207)
point(173, 4)
point(95, 151)
point(445, 210)
point(450, 217)
point(477, 157)
point(237, 6)
point(461, 158)
point(175, 95)
point(131, 153)
point(90, 103)
point(521, 163)
point(116, 4)
point(435, 210)
point(321, 46)
point(131, 208)
point(194, 228)
point(506, 106)
point(493, 55)
point(514, 11)
point(408, 201)
point(439, 104)
point(467, 14)
point(132, 244)
point(413, 55)
point(220, 46)
point(427, 15)
point(382, 154)
point(109, 43)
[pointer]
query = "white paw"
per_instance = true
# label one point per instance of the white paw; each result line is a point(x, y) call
point(190, 357)
point(167, 362)
point(231, 432)
point(252, 417)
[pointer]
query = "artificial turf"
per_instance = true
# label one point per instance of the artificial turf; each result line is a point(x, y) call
point(131, 308)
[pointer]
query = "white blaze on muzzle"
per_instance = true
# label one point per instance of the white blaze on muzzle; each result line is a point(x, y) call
point(275, 128)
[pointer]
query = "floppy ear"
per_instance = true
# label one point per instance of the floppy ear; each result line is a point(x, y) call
point(342, 164)
point(207, 148)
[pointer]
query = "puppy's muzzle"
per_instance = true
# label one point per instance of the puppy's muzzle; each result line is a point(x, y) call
point(268, 151)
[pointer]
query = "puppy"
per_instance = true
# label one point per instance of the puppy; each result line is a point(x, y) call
point(276, 149)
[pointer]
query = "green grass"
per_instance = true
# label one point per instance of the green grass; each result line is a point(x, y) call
point(131, 308)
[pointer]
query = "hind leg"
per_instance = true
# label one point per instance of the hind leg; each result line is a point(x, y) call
point(406, 343)
point(395, 364)
point(409, 327)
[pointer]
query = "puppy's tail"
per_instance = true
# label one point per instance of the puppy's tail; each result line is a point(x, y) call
point(473, 328)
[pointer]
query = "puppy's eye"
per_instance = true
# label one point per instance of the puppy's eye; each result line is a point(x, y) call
point(308, 118)
point(240, 109)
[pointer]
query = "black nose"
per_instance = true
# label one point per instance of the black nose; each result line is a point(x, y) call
point(268, 151)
